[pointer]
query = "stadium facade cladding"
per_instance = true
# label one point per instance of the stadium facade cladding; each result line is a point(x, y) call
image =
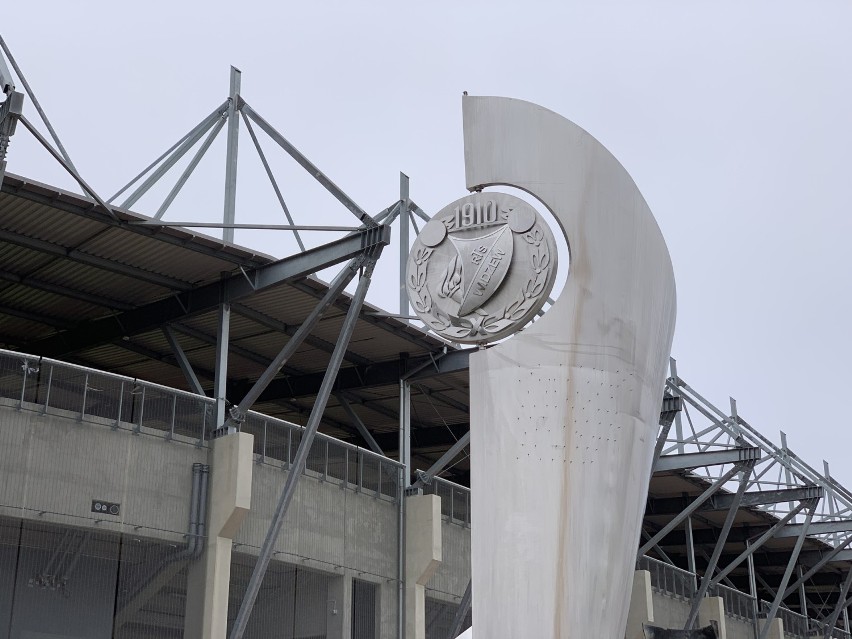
point(130, 508)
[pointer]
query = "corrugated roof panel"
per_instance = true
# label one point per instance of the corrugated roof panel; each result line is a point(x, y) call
point(63, 309)
point(90, 279)
point(22, 261)
point(46, 223)
point(12, 327)
point(155, 256)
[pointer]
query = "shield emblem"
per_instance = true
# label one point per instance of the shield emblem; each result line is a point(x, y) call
point(484, 263)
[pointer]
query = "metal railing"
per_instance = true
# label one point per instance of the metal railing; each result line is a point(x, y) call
point(817, 629)
point(667, 579)
point(455, 500)
point(794, 624)
point(738, 604)
point(145, 408)
point(679, 583)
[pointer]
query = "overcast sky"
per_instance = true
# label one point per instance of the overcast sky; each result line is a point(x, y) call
point(733, 119)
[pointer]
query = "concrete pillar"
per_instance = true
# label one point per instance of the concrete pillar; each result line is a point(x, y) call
point(423, 555)
point(228, 503)
point(776, 629)
point(339, 613)
point(641, 605)
point(712, 613)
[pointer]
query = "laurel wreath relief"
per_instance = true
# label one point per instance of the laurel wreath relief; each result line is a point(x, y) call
point(485, 324)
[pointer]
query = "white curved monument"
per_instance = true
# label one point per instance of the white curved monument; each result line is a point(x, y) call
point(564, 414)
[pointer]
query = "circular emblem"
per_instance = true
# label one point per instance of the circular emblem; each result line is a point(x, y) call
point(481, 268)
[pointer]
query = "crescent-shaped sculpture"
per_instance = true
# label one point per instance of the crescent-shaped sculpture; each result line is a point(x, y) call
point(564, 414)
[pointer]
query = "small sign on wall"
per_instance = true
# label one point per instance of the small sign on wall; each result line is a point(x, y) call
point(105, 507)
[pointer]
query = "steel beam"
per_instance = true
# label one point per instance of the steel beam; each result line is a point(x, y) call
point(791, 564)
point(80, 206)
point(208, 297)
point(193, 163)
point(759, 542)
point(443, 460)
point(839, 608)
point(309, 166)
point(287, 329)
point(334, 290)
point(231, 156)
point(210, 118)
point(76, 255)
point(68, 167)
point(359, 425)
point(819, 559)
point(816, 528)
point(673, 505)
point(173, 158)
point(35, 102)
point(841, 605)
point(295, 471)
point(183, 362)
point(272, 179)
point(665, 428)
point(708, 458)
point(717, 550)
point(686, 512)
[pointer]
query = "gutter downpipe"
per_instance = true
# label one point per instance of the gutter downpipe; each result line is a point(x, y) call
point(197, 528)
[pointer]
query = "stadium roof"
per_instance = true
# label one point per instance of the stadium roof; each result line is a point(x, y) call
point(77, 284)
point(80, 285)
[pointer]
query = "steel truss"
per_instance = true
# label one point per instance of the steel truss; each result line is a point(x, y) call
point(738, 468)
point(733, 464)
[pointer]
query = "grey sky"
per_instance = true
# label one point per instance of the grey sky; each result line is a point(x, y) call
point(733, 118)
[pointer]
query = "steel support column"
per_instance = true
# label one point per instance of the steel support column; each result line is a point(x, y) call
point(803, 596)
point(404, 225)
point(677, 420)
point(10, 110)
point(220, 382)
point(461, 612)
point(752, 585)
point(298, 466)
point(791, 564)
point(717, 551)
point(690, 552)
point(840, 607)
point(818, 566)
point(405, 428)
point(231, 156)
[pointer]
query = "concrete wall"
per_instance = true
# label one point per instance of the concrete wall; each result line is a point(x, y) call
point(450, 580)
point(54, 466)
point(331, 530)
point(669, 612)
